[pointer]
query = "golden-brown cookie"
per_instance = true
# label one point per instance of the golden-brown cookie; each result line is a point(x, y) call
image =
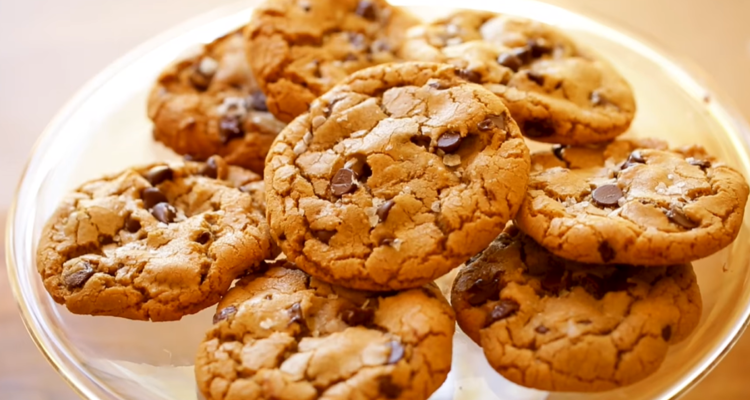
point(396, 176)
point(552, 324)
point(556, 91)
point(632, 202)
point(299, 49)
point(281, 334)
point(157, 242)
point(210, 104)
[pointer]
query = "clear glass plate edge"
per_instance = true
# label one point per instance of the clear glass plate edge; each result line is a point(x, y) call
point(720, 107)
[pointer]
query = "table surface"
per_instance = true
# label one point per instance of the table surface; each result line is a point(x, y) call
point(49, 48)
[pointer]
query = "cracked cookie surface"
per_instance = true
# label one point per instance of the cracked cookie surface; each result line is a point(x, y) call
point(396, 176)
point(210, 104)
point(553, 324)
point(281, 334)
point(632, 202)
point(157, 242)
point(299, 49)
point(556, 91)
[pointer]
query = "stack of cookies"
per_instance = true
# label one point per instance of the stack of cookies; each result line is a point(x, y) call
point(340, 157)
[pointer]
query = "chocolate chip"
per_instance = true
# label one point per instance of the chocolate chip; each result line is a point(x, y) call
point(164, 212)
point(225, 313)
point(230, 128)
point(386, 241)
point(449, 141)
point(469, 75)
point(324, 236)
point(541, 329)
point(634, 158)
point(152, 196)
point(677, 215)
point(159, 174)
point(557, 150)
point(539, 47)
point(491, 122)
point(439, 85)
point(357, 40)
point(132, 225)
point(384, 209)
point(357, 316)
point(703, 164)
point(555, 280)
point(618, 281)
point(606, 252)
point(257, 101)
point(511, 61)
point(537, 128)
point(536, 77)
point(380, 46)
point(79, 276)
point(483, 290)
point(607, 195)
point(295, 314)
point(397, 351)
point(198, 78)
point(211, 169)
point(594, 285)
point(422, 141)
point(666, 333)
point(504, 309)
point(204, 237)
point(343, 182)
point(366, 9)
point(388, 388)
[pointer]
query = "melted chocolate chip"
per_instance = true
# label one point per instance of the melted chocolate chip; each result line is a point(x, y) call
point(422, 141)
point(324, 236)
point(502, 310)
point(536, 128)
point(343, 182)
point(606, 252)
point(483, 290)
point(211, 169)
point(666, 333)
point(491, 122)
point(357, 316)
point(204, 237)
point(80, 276)
point(703, 164)
point(366, 9)
point(132, 225)
point(225, 313)
point(594, 285)
point(198, 79)
point(539, 47)
point(164, 212)
point(449, 141)
point(677, 215)
point(230, 128)
point(541, 329)
point(618, 281)
point(397, 351)
point(469, 75)
point(152, 196)
point(385, 209)
point(257, 100)
point(557, 150)
point(607, 195)
point(511, 61)
point(295, 314)
point(536, 77)
point(388, 388)
point(159, 174)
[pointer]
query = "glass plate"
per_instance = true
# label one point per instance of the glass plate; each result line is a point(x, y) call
point(105, 129)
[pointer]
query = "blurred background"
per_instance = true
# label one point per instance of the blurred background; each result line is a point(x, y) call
point(50, 48)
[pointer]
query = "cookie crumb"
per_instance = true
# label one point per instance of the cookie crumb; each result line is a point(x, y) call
point(435, 207)
point(452, 160)
point(208, 66)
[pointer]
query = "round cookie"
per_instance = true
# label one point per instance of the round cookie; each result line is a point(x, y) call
point(396, 176)
point(556, 91)
point(281, 334)
point(632, 202)
point(299, 49)
point(557, 325)
point(210, 104)
point(157, 243)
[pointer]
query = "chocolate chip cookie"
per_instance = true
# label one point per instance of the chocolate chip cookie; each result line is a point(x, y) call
point(632, 202)
point(210, 104)
point(556, 91)
point(552, 324)
point(396, 176)
point(157, 243)
point(281, 334)
point(299, 49)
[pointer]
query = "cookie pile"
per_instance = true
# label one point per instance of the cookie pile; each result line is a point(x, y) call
point(391, 154)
